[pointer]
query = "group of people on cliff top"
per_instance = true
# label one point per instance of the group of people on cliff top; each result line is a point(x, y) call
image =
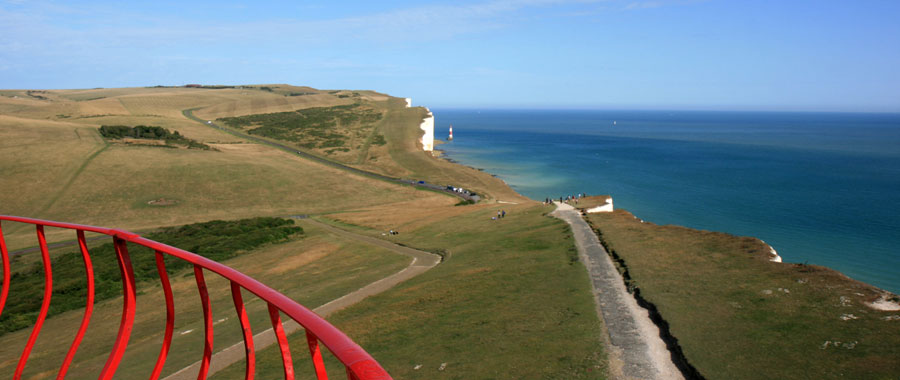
point(500, 215)
point(567, 199)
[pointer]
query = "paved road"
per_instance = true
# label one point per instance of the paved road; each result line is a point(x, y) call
point(57, 245)
point(421, 262)
point(408, 182)
point(635, 348)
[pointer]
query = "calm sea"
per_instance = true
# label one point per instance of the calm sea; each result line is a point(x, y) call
point(822, 188)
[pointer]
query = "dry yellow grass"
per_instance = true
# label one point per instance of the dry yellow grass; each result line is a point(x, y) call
point(39, 160)
point(95, 93)
point(406, 216)
point(509, 291)
point(254, 101)
point(240, 180)
point(62, 169)
point(168, 104)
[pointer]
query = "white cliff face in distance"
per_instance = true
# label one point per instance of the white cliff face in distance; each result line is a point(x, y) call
point(428, 138)
point(408, 102)
point(606, 207)
point(773, 256)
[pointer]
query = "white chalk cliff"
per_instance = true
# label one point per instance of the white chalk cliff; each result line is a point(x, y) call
point(428, 138)
point(773, 256)
point(606, 207)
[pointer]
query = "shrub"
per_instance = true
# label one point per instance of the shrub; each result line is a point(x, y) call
point(150, 133)
point(217, 240)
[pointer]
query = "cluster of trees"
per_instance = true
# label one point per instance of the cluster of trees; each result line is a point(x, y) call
point(34, 94)
point(217, 240)
point(138, 132)
point(149, 132)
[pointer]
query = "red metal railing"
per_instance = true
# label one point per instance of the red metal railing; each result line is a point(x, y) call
point(359, 364)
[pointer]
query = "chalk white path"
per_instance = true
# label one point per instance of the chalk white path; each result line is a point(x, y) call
point(635, 348)
point(421, 262)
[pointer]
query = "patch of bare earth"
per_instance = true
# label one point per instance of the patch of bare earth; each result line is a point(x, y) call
point(311, 254)
point(887, 302)
point(163, 202)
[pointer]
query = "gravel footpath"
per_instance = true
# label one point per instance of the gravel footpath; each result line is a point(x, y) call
point(635, 348)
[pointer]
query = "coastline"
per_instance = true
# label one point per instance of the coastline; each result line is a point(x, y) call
point(785, 293)
point(773, 256)
point(549, 163)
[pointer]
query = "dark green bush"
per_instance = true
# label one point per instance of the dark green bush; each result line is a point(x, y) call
point(150, 133)
point(217, 240)
point(308, 128)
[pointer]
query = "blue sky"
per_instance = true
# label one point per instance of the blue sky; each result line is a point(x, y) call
point(605, 54)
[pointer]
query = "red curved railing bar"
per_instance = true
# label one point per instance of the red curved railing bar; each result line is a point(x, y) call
point(207, 322)
point(45, 304)
point(278, 328)
point(88, 307)
point(170, 314)
point(5, 256)
point(358, 364)
point(316, 354)
point(250, 367)
point(129, 304)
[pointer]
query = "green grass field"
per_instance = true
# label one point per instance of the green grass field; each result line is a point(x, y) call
point(739, 316)
point(509, 302)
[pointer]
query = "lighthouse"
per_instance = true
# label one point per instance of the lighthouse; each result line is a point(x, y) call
point(450, 138)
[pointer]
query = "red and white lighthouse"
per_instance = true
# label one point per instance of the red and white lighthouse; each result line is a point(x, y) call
point(451, 133)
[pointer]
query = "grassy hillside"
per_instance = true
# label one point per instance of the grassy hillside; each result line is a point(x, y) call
point(403, 157)
point(509, 301)
point(739, 316)
point(63, 170)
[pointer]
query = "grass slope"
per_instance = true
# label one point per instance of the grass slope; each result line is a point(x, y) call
point(62, 169)
point(739, 316)
point(340, 132)
point(511, 301)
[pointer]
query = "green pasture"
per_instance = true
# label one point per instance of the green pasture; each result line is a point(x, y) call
point(737, 315)
point(508, 302)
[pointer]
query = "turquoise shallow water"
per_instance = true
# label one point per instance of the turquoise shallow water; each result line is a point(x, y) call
point(820, 188)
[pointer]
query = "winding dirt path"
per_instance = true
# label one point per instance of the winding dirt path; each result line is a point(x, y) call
point(636, 350)
point(421, 262)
